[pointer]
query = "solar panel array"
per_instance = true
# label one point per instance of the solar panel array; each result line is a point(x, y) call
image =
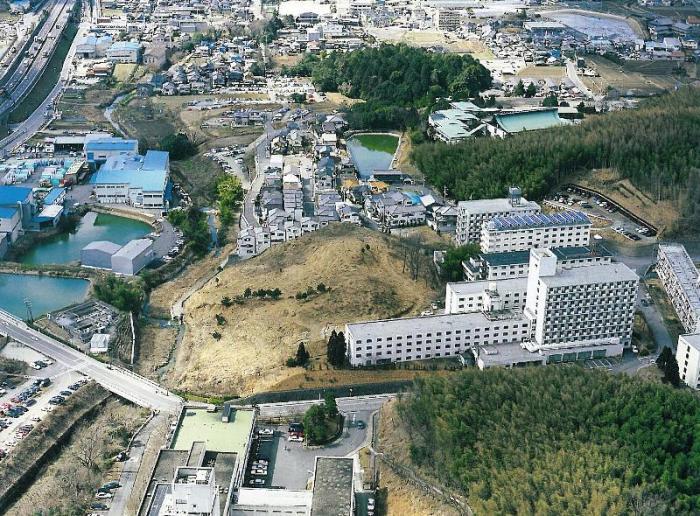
point(564, 218)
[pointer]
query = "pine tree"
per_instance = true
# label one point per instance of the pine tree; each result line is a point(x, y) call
point(519, 90)
point(302, 355)
point(331, 348)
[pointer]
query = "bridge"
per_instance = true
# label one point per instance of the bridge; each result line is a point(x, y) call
point(119, 381)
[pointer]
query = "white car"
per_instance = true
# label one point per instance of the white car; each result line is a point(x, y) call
point(295, 439)
point(266, 431)
point(104, 496)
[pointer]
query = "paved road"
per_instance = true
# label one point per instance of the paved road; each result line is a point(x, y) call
point(128, 385)
point(573, 76)
point(132, 465)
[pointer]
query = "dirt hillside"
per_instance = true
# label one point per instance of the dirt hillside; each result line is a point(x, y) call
point(364, 271)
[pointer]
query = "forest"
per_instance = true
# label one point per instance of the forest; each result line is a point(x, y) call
point(394, 80)
point(654, 146)
point(555, 440)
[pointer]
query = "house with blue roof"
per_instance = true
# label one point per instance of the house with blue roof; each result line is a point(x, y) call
point(141, 181)
point(98, 150)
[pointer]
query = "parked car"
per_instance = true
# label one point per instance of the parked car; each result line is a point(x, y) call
point(266, 431)
point(98, 506)
point(104, 496)
point(112, 485)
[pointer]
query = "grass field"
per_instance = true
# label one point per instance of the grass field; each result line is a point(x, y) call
point(543, 72)
point(663, 214)
point(644, 78)
point(364, 271)
point(122, 71)
point(84, 109)
point(146, 120)
point(431, 38)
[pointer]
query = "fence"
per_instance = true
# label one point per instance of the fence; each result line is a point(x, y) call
point(314, 394)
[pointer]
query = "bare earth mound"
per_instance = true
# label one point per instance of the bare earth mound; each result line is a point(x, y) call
point(364, 271)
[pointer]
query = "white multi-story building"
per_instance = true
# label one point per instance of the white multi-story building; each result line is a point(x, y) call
point(472, 214)
point(580, 305)
point(193, 492)
point(681, 281)
point(516, 264)
point(477, 296)
point(523, 232)
point(554, 314)
point(688, 358)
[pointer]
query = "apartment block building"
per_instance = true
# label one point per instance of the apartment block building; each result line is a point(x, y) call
point(579, 305)
point(688, 358)
point(472, 215)
point(522, 232)
point(555, 314)
point(681, 281)
point(516, 264)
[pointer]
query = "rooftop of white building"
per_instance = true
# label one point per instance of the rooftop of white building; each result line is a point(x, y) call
point(600, 273)
point(462, 288)
point(540, 220)
point(692, 339)
point(497, 205)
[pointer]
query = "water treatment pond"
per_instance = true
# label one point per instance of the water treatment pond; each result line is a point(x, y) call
point(371, 152)
point(45, 293)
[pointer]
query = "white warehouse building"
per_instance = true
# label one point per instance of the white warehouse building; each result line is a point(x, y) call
point(523, 232)
point(554, 314)
point(471, 215)
point(681, 280)
point(133, 257)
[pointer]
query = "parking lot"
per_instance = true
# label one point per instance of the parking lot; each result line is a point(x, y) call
point(30, 401)
point(598, 208)
point(290, 465)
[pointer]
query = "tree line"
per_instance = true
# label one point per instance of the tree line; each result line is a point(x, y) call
point(555, 440)
point(654, 146)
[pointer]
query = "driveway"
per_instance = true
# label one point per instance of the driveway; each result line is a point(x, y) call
point(291, 464)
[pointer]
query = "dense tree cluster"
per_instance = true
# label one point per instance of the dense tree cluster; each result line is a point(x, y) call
point(321, 421)
point(394, 80)
point(193, 224)
point(179, 145)
point(555, 440)
point(400, 75)
point(451, 268)
point(666, 361)
point(336, 349)
point(654, 146)
point(229, 193)
point(124, 295)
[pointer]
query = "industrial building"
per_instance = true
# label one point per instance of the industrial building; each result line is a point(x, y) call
point(17, 209)
point(688, 358)
point(98, 254)
point(681, 281)
point(472, 215)
point(100, 148)
point(554, 314)
point(333, 491)
point(140, 181)
point(522, 232)
point(133, 257)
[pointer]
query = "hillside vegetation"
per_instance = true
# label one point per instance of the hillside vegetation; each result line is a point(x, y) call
point(338, 274)
point(394, 80)
point(555, 440)
point(654, 146)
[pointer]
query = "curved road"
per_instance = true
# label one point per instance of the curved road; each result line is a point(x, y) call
point(126, 384)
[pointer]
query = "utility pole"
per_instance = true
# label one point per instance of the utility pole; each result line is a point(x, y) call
point(28, 304)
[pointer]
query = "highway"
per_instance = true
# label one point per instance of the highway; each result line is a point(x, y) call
point(126, 384)
point(38, 118)
point(21, 82)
